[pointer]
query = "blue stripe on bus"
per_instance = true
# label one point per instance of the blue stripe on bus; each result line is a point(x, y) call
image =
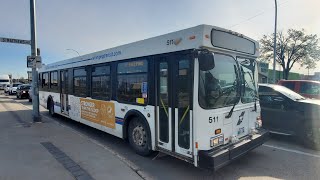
point(119, 120)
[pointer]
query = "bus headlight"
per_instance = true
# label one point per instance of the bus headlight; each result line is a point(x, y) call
point(258, 122)
point(216, 141)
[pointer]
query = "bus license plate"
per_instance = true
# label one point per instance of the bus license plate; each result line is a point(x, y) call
point(241, 130)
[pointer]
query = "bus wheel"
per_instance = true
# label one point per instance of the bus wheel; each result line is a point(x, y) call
point(51, 108)
point(139, 137)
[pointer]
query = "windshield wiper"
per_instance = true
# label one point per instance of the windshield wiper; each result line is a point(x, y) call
point(234, 105)
point(238, 95)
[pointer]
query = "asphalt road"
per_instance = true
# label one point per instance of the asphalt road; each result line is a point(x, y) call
point(280, 158)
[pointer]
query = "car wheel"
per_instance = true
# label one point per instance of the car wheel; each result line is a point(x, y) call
point(139, 137)
point(51, 108)
point(311, 137)
point(17, 96)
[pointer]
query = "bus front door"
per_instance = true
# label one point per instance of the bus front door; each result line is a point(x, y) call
point(174, 104)
point(64, 92)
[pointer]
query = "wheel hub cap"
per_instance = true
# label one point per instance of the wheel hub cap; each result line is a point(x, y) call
point(138, 135)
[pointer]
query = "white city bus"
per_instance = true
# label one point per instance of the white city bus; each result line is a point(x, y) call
point(191, 94)
point(4, 81)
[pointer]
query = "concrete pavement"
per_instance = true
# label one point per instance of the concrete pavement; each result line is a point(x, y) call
point(51, 151)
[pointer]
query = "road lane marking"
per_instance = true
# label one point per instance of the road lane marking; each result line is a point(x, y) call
point(292, 151)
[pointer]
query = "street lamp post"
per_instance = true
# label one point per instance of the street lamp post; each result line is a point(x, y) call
point(74, 51)
point(275, 42)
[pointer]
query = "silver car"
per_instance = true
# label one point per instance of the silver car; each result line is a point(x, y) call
point(13, 88)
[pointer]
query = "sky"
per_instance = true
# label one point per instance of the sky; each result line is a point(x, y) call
point(89, 26)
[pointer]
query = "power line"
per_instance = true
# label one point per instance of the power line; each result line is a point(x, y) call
point(252, 17)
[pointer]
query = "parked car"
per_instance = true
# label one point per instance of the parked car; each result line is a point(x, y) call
point(13, 88)
point(30, 94)
point(23, 91)
point(7, 88)
point(285, 112)
point(307, 88)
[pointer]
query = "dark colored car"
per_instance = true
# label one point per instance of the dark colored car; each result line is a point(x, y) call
point(285, 112)
point(307, 88)
point(23, 91)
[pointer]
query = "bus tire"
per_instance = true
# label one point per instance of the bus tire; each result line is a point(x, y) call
point(51, 108)
point(139, 137)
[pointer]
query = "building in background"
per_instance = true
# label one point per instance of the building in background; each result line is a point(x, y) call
point(315, 77)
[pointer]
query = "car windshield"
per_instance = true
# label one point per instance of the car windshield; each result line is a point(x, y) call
point(249, 76)
point(287, 92)
point(15, 85)
point(25, 87)
point(218, 87)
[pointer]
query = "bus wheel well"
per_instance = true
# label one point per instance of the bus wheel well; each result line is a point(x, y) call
point(128, 117)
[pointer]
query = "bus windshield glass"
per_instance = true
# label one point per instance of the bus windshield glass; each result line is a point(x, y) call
point(218, 87)
point(249, 75)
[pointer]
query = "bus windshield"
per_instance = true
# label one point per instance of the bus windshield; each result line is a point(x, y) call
point(249, 76)
point(218, 87)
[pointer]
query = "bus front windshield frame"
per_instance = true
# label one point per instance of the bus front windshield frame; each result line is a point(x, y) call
point(219, 86)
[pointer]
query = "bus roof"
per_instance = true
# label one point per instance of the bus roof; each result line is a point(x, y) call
point(192, 38)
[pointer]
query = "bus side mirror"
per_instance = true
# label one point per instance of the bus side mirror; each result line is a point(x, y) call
point(206, 60)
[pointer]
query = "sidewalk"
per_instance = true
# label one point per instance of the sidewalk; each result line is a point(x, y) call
point(50, 151)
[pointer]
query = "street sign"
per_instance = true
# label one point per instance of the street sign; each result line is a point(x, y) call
point(16, 41)
point(34, 61)
point(30, 60)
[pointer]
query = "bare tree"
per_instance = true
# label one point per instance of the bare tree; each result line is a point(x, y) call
point(294, 46)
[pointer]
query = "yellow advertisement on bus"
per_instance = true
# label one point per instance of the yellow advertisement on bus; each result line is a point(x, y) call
point(100, 112)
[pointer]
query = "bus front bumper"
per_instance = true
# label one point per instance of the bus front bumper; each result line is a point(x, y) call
point(215, 159)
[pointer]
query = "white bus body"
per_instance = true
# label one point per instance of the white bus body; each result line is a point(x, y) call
point(4, 80)
point(160, 95)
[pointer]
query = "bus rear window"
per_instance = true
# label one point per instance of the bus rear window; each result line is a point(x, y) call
point(233, 42)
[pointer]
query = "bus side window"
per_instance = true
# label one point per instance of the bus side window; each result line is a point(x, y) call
point(132, 79)
point(45, 80)
point(54, 81)
point(80, 82)
point(101, 83)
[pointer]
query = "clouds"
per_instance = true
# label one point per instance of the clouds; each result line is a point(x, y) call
point(89, 26)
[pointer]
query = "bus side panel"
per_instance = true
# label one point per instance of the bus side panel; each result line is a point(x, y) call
point(120, 111)
point(43, 100)
point(75, 113)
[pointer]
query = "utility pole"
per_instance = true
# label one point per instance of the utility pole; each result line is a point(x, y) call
point(35, 89)
point(275, 43)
